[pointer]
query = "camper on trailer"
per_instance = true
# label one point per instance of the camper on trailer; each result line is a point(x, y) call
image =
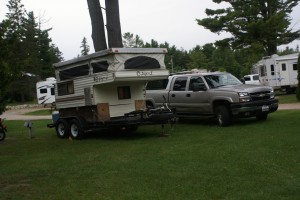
point(106, 89)
point(279, 72)
point(45, 91)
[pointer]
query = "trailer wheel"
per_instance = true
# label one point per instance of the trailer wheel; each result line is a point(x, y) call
point(223, 116)
point(76, 129)
point(62, 128)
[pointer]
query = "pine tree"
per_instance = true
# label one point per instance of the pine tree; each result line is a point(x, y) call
point(264, 22)
point(85, 49)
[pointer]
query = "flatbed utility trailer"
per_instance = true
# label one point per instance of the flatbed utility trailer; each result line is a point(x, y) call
point(106, 90)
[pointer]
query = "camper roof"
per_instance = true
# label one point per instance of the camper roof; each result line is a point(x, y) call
point(112, 51)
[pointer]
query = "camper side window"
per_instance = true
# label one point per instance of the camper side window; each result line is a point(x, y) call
point(295, 67)
point(43, 91)
point(100, 66)
point(65, 88)
point(52, 91)
point(124, 92)
point(272, 70)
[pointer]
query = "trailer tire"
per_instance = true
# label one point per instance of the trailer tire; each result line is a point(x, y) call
point(76, 129)
point(62, 128)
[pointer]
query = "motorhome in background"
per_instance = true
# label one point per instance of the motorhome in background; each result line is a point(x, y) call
point(279, 72)
point(45, 91)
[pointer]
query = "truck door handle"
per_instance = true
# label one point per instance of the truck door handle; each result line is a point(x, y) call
point(173, 95)
point(188, 95)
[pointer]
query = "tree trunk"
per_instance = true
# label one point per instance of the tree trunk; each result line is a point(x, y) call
point(98, 30)
point(113, 26)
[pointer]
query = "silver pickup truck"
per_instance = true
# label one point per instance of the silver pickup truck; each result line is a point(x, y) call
point(215, 94)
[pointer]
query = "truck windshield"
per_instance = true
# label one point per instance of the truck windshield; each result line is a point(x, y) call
point(218, 80)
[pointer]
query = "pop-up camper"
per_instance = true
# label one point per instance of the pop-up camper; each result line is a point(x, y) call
point(45, 91)
point(279, 72)
point(107, 89)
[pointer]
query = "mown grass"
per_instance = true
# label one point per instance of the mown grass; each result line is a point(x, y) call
point(287, 98)
point(41, 112)
point(199, 160)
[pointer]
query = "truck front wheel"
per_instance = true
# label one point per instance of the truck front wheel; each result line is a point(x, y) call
point(76, 129)
point(223, 116)
point(62, 128)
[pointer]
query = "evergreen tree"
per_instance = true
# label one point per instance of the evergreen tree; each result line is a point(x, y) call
point(27, 52)
point(224, 60)
point(85, 49)
point(198, 60)
point(132, 41)
point(258, 21)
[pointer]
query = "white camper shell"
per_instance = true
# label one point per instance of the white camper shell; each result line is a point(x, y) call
point(279, 72)
point(45, 91)
point(106, 88)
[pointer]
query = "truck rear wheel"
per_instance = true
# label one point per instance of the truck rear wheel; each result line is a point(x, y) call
point(76, 129)
point(223, 116)
point(62, 128)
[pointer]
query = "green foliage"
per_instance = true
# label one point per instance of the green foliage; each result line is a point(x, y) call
point(25, 49)
point(265, 22)
point(199, 160)
point(132, 41)
point(298, 77)
point(85, 49)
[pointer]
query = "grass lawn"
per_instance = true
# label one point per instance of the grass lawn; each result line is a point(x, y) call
point(199, 160)
point(287, 98)
point(40, 112)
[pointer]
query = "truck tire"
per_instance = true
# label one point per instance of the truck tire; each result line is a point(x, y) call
point(262, 116)
point(223, 116)
point(62, 128)
point(76, 129)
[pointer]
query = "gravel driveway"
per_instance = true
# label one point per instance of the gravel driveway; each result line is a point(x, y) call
point(18, 114)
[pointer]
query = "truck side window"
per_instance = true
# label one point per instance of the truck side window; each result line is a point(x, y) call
point(180, 84)
point(196, 83)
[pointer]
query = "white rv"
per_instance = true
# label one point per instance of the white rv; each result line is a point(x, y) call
point(45, 91)
point(106, 89)
point(279, 72)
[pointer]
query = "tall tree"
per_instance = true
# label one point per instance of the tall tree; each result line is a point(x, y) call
point(98, 30)
point(25, 50)
point(85, 49)
point(131, 40)
point(113, 25)
point(198, 59)
point(256, 21)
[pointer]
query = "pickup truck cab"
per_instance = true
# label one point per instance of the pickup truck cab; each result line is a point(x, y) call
point(216, 94)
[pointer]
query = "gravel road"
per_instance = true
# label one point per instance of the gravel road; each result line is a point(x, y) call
point(18, 114)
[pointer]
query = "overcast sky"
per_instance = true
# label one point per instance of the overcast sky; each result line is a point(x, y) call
point(173, 21)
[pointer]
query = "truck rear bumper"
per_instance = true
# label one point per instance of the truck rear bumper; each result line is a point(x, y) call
point(253, 108)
